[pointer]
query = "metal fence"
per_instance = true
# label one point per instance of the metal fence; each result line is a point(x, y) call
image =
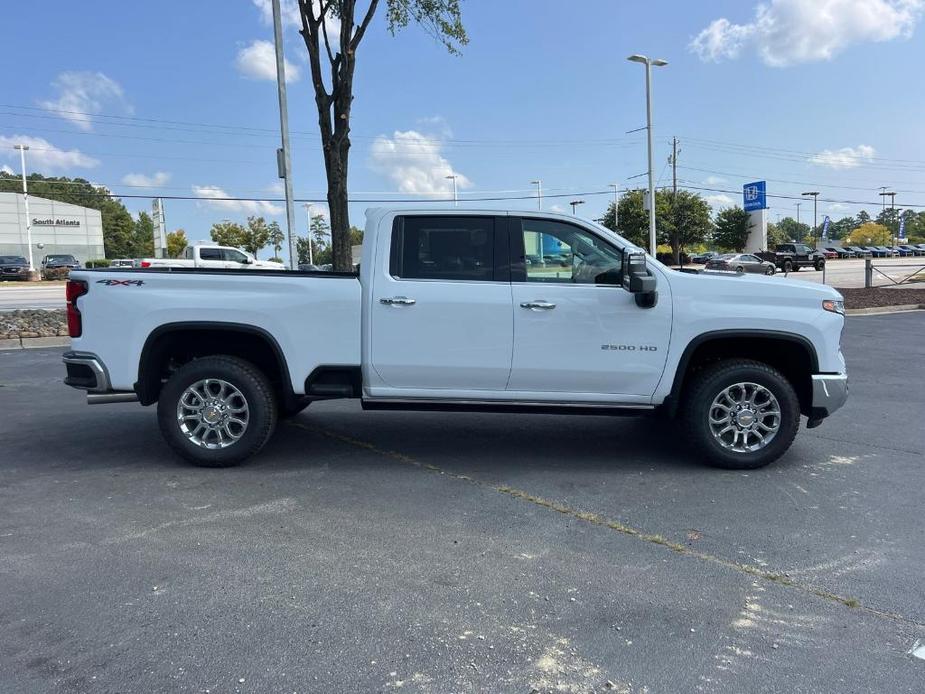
point(870, 268)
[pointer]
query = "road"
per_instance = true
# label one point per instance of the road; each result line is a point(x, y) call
point(15, 295)
point(850, 273)
point(466, 552)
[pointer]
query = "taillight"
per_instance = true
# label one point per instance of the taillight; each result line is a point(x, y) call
point(74, 289)
point(145, 263)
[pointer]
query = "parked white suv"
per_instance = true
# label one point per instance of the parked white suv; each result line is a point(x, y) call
point(446, 313)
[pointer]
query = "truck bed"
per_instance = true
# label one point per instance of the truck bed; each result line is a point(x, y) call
point(125, 306)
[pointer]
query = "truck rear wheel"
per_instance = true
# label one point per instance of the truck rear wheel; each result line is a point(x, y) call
point(787, 266)
point(217, 411)
point(741, 414)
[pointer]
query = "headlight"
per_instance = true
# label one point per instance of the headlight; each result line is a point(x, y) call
point(834, 305)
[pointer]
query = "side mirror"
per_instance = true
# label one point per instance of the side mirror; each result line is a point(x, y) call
point(637, 280)
point(246, 261)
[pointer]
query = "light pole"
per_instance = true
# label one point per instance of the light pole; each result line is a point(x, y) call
point(283, 159)
point(308, 209)
point(649, 62)
point(815, 194)
point(799, 231)
point(616, 205)
point(575, 204)
point(539, 193)
point(25, 199)
point(455, 197)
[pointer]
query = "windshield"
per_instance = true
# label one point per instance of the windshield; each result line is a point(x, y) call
point(62, 258)
point(12, 260)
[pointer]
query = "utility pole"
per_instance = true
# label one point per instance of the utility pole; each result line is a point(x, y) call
point(539, 193)
point(815, 195)
point(676, 234)
point(455, 194)
point(308, 209)
point(283, 158)
point(575, 204)
point(616, 205)
point(892, 210)
point(25, 200)
point(799, 230)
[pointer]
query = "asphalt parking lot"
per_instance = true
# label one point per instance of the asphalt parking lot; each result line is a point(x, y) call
point(428, 552)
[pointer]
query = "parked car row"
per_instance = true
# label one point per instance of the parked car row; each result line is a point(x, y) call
point(741, 262)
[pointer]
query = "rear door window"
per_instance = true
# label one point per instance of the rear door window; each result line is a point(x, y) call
point(443, 248)
point(210, 254)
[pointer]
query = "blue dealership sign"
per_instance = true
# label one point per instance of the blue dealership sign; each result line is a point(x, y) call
point(754, 196)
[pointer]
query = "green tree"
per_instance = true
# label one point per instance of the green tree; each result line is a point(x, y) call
point(176, 243)
point(776, 235)
point(333, 62)
point(118, 225)
point(228, 234)
point(732, 228)
point(870, 234)
point(256, 235)
point(792, 230)
point(685, 223)
point(842, 227)
point(143, 237)
point(276, 239)
point(862, 218)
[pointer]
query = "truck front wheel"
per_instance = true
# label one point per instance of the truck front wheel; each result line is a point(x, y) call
point(741, 414)
point(217, 411)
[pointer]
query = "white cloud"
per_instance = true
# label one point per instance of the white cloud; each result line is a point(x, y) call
point(83, 94)
point(557, 208)
point(714, 180)
point(719, 201)
point(789, 32)
point(6, 169)
point(214, 195)
point(844, 158)
point(43, 156)
point(258, 62)
point(289, 13)
point(156, 180)
point(414, 163)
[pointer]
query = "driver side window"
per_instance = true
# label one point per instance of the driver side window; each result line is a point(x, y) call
point(566, 254)
point(233, 255)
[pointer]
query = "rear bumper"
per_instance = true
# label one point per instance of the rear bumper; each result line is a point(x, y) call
point(86, 372)
point(830, 391)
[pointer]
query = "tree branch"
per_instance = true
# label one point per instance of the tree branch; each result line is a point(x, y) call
point(361, 29)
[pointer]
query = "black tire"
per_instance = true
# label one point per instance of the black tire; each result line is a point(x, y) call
point(819, 265)
point(787, 266)
point(252, 385)
point(740, 269)
point(770, 270)
point(708, 383)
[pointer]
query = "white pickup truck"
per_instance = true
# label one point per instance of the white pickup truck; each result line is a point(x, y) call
point(209, 256)
point(464, 310)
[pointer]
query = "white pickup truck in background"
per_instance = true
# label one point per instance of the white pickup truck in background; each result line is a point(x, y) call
point(452, 310)
point(209, 256)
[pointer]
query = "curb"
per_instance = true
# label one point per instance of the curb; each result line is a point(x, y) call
point(34, 342)
point(884, 310)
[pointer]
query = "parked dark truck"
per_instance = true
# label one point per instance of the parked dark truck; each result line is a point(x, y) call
point(790, 257)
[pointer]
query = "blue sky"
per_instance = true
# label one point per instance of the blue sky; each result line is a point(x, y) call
point(810, 94)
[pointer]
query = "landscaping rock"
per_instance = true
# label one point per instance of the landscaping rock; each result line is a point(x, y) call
point(33, 323)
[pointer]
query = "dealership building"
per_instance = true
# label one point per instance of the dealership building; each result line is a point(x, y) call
point(57, 228)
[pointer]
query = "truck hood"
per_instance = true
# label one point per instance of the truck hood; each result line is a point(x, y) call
point(759, 288)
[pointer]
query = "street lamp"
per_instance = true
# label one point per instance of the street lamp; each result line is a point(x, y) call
point(815, 195)
point(616, 205)
point(649, 62)
point(539, 193)
point(892, 195)
point(455, 198)
point(799, 230)
point(576, 203)
point(25, 199)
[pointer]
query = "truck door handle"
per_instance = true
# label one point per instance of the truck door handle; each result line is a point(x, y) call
point(544, 305)
point(397, 301)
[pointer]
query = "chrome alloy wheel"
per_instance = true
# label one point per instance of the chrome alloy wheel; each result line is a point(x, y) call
point(744, 417)
point(212, 413)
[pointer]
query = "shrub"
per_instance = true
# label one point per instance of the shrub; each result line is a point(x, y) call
point(99, 262)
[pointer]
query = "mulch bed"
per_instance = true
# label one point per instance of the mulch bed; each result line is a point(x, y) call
point(875, 297)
